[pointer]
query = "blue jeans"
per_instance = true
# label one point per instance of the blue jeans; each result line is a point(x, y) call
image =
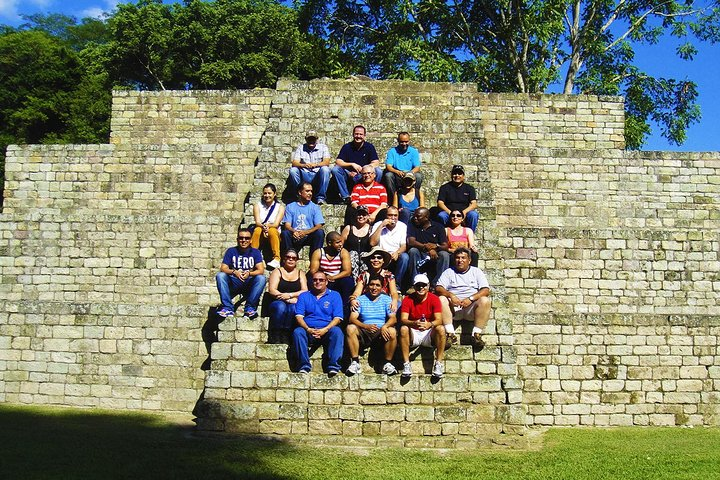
point(332, 342)
point(282, 315)
point(393, 182)
point(341, 176)
point(229, 286)
point(471, 219)
point(404, 215)
point(319, 180)
point(441, 264)
point(401, 266)
point(314, 240)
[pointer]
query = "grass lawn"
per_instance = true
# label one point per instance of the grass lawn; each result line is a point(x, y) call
point(72, 443)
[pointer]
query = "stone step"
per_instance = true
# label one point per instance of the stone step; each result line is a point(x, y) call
point(403, 423)
point(366, 388)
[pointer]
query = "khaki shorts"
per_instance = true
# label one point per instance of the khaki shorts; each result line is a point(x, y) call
point(466, 313)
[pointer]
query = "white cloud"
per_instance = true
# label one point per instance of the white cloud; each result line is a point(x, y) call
point(98, 11)
point(8, 9)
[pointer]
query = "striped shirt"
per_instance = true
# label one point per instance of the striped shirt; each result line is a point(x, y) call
point(374, 312)
point(371, 197)
point(331, 266)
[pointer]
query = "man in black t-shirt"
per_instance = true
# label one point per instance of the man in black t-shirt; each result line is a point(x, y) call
point(427, 245)
point(458, 195)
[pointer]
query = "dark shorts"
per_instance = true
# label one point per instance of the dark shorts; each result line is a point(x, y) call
point(366, 338)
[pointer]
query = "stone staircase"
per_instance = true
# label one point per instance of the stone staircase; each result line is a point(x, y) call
point(250, 388)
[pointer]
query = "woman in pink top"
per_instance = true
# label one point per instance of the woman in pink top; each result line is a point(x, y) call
point(460, 236)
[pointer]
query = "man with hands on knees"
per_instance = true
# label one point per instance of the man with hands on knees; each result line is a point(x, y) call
point(465, 295)
point(422, 325)
point(241, 271)
point(318, 313)
point(372, 322)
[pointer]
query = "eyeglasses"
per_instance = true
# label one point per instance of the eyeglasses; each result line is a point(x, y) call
point(320, 280)
point(420, 286)
point(456, 215)
point(376, 257)
point(244, 239)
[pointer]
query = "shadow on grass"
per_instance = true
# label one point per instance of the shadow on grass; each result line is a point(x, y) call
point(64, 443)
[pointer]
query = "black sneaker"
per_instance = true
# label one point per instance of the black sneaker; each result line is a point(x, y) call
point(477, 342)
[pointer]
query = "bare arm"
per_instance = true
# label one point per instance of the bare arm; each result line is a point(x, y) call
point(279, 217)
point(346, 269)
point(470, 208)
point(315, 261)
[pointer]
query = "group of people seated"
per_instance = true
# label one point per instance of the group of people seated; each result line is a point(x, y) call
point(353, 290)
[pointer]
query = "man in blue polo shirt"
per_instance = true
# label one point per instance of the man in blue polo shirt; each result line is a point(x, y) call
point(373, 321)
point(401, 160)
point(352, 157)
point(318, 312)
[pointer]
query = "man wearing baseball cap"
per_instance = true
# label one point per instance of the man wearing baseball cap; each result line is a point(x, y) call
point(422, 325)
point(458, 195)
point(310, 163)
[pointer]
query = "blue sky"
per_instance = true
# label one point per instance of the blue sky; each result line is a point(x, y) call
point(658, 60)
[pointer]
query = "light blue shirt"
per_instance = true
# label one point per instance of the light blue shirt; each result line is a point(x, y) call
point(303, 217)
point(374, 312)
point(403, 161)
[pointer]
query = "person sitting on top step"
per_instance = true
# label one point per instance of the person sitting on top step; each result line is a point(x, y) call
point(401, 160)
point(311, 163)
point(352, 157)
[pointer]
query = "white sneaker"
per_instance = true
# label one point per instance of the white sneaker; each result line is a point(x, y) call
point(389, 369)
point(274, 263)
point(438, 370)
point(354, 368)
point(407, 370)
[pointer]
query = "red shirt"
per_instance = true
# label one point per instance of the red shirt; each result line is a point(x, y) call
point(415, 310)
point(371, 197)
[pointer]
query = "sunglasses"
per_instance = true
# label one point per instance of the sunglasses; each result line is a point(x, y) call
point(290, 257)
point(420, 286)
point(319, 280)
point(244, 239)
point(454, 215)
point(376, 257)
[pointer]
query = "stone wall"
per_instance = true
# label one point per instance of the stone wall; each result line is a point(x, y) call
point(604, 263)
point(612, 273)
point(107, 251)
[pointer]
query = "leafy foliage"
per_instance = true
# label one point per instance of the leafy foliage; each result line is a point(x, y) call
point(526, 47)
point(220, 44)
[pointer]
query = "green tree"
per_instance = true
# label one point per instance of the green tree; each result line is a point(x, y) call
point(219, 44)
point(48, 96)
point(526, 47)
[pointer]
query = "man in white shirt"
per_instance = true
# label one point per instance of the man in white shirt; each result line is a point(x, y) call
point(391, 235)
point(465, 295)
point(310, 163)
